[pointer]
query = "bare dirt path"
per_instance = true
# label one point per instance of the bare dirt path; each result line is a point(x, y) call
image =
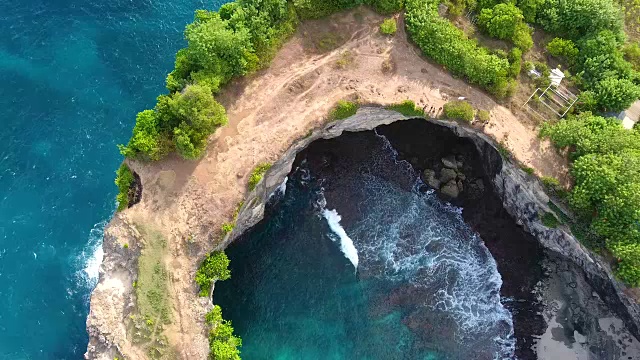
point(271, 109)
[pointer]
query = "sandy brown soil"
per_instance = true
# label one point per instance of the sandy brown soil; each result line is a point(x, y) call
point(271, 109)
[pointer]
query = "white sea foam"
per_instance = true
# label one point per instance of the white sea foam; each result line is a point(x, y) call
point(414, 237)
point(91, 256)
point(282, 188)
point(346, 244)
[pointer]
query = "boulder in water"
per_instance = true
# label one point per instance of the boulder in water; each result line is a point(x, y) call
point(429, 177)
point(447, 174)
point(450, 189)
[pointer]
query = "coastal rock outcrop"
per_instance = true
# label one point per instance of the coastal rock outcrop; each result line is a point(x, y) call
point(113, 298)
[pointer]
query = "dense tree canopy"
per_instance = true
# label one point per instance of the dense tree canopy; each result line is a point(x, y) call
point(505, 21)
point(575, 18)
point(441, 40)
point(607, 175)
point(596, 28)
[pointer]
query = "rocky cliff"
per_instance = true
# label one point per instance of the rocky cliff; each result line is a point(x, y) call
point(521, 195)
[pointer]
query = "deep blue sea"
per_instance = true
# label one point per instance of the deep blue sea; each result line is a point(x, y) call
point(73, 74)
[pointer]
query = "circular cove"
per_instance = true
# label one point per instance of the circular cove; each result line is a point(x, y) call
point(356, 258)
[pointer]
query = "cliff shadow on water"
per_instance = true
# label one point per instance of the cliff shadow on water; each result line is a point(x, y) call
point(393, 244)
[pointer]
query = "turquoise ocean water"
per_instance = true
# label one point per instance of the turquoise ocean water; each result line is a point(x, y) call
point(73, 74)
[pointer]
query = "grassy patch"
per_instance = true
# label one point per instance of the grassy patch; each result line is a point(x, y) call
point(549, 220)
point(343, 110)
point(389, 26)
point(257, 174)
point(153, 305)
point(407, 108)
point(528, 170)
point(387, 66)
point(222, 342)
point(329, 41)
point(346, 59)
point(458, 110)
point(124, 179)
point(236, 212)
point(553, 186)
point(503, 150)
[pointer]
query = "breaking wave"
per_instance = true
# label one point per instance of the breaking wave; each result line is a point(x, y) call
point(346, 244)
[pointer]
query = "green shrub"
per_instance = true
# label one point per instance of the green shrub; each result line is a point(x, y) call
point(458, 110)
point(563, 48)
point(515, 62)
point(124, 179)
point(530, 9)
point(257, 174)
point(484, 116)
point(549, 220)
point(575, 19)
point(343, 110)
point(213, 268)
point(528, 170)
point(522, 37)
point(388, 26)
point(407, 108)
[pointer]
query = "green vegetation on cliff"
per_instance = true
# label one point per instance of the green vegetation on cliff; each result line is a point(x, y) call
point(223, 343)
point(458, 110)
point(606, 168)
point(407, 108)
point(343, 110)
point(124, 179)
point(257, 174)
point(213, 268)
